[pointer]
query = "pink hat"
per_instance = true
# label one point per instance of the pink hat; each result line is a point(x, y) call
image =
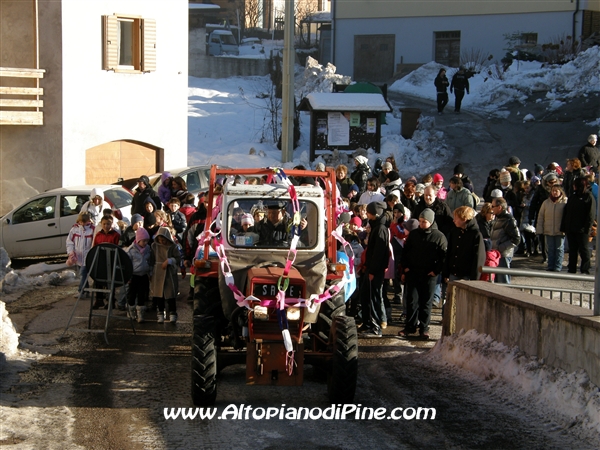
point(356, 221)
point(437, 177)
point(141, 234)
point(247, 219)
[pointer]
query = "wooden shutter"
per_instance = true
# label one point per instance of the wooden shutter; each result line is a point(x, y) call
point(149, 45)
point(110, 36)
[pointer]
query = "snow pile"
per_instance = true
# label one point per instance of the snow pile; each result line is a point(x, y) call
point(316, 78)
point(9, 338)
point(571, 398)
point(579, 77)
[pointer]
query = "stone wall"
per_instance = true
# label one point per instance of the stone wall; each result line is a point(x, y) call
point(566, 336)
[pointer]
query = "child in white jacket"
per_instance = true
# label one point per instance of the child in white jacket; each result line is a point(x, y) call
point(79, 243)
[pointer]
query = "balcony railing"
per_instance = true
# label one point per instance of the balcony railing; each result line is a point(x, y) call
point(20, 105)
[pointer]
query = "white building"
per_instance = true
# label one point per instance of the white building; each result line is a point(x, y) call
point(372, 38)
point(91, 91)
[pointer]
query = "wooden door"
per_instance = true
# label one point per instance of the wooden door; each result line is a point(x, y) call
point(374, 57)
point(106, 163)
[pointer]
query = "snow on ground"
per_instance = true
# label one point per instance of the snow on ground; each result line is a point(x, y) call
point(571, 399)
point(228, 121)
point(577, 78)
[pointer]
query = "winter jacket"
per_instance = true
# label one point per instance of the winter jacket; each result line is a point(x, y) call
point(178, 221)
point(378, 248)
point(112, 237)
point(515, 174)
point(490, 185)
point(80, 241)
point(441, 84)
point(492, 259)
point(466, 252)
point(360, 176)
point(443, 216)
point(141, 197)
point(462, 197)
point(187, 211)
point(505, 234)
point(485, 227)
point(164, 190)
point(345, 186)
point(94, 211)
point(370, 196)
point(127, 237)
point(540, 195)
point(460, 82)
point(589, 155)
point(424, 252)
point(568, 179)
point(550, 217)
point(579, 213)
point(140, 259)
point(165, 283)
point(393, 187)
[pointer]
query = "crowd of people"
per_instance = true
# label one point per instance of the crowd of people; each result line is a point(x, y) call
point(420, 234)
point(408, 237)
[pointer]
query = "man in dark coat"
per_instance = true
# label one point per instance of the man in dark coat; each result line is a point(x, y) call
point(422, 262)
point(441, 211)
point(377, 259)
point(361, 173)
point(143, 192)
point(460, 84)
point(441, 84)
point(589, 154)
point(578, 217)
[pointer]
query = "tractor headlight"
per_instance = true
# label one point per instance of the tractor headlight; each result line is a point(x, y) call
point(293, 314)
point(261, 312)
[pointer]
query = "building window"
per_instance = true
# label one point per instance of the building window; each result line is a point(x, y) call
point(129, 44)
point(529, 39)
point(447, 48)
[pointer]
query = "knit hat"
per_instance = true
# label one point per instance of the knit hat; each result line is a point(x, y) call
point(320, 167)
point(362, 160)
point(459, 169)
point(535, 180)
point(344, 218)
point(496, 193)
point(550, 177)
point(420, 188)
point(356, 221)
point(537, 168)
point(399, 207)
point(411, 224)
point(247, 219)
point(387, 166)
point(353, 188)
point(428, 215)
point(144, 179)
point(149, 221)
point(437, 178)
point(393, 175)
point(514, 160)
point(141, 234)
point(376, 208)
point(504, 176)
point(136, 218)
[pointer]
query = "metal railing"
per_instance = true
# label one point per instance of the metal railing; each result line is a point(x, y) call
point(579, 297)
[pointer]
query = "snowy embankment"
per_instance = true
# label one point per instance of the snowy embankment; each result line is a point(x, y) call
point(570, 399)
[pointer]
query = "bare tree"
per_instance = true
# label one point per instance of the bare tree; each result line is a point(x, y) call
point(303, 9)
point(253, 13)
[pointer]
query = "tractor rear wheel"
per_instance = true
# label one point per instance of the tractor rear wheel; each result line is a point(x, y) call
point(204, 361)
point(341, 383)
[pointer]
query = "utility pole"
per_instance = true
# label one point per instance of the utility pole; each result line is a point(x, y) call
point(287, 116)
point(597, 277)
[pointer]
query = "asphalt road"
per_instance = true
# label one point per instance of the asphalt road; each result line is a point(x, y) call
point(482, 143)
point(89, 394)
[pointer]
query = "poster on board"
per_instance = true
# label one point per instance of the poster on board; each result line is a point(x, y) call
point(338, 128)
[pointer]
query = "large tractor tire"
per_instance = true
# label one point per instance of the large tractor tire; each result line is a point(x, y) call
point(204, 362)
point(328, 311)
point(341, 383)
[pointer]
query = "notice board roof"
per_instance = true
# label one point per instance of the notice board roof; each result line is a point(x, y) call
point(344, 102)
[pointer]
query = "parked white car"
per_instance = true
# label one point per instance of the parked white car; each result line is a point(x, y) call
point(40, 226)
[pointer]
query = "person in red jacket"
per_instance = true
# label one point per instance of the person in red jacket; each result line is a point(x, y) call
point(106, 235)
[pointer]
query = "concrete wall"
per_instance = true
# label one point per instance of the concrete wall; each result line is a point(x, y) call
point(566, 336)
point(202, 66)
point(415, 36)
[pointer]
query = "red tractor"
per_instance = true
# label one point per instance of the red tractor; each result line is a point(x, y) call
point(271, 284)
